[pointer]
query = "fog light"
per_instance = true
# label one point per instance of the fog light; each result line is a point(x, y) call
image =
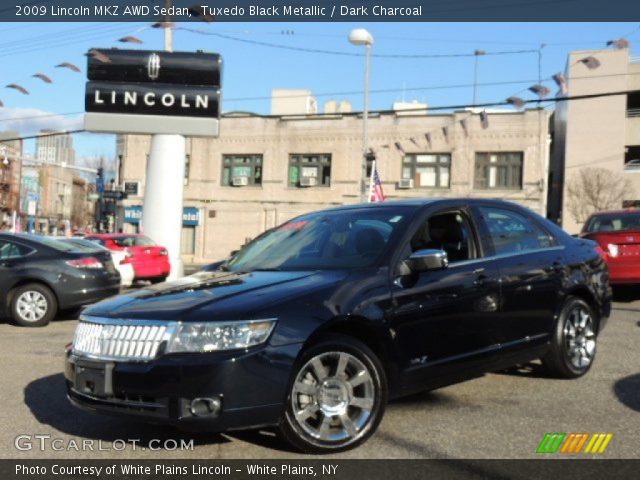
point(205, 407)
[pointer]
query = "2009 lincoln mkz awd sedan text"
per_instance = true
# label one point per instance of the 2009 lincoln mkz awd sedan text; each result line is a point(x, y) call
point(315, 324)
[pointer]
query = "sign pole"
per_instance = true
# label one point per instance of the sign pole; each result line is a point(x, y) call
point(163, 193)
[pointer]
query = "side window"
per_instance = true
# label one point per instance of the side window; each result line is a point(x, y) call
point(10, 250)
point(450, 232)
point(512, 233)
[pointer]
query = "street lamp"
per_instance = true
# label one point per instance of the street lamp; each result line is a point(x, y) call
point(360, 36)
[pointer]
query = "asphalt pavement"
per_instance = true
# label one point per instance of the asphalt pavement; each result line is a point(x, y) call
point(501, 415)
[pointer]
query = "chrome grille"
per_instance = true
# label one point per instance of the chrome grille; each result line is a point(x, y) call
point(107, 339)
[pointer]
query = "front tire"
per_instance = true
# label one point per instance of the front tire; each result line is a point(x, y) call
point(573, 345)
point(33, 305)
point(337, 396)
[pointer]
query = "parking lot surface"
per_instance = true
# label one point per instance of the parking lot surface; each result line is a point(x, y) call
point(501, 415)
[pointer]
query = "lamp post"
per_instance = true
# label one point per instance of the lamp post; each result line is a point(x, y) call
point(360, 36)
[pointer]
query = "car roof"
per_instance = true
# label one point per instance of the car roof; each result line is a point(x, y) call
point(422, 202)
point(26, 237)
point(616, 212)
point(107, 236)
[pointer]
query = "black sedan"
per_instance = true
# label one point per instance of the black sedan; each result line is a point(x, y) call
point(39, 276)
point(314, 326)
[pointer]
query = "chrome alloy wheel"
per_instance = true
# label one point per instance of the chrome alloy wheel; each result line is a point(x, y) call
point(580, 337)
point(31, 306)
point(333, 396)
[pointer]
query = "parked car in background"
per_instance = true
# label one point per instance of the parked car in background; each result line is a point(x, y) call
point(149, 261)
point(618, 235)
point(40, 276)
point(315, 325)
point(117, 256)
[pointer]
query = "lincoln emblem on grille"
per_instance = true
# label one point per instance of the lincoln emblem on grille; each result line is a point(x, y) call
point(153, 66)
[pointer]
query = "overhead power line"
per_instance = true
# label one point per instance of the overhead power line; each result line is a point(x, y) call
point(451, 107)
point(43, 135)
point(63, 40)
point(200, 31)
point(387, 111)
point(355, 92)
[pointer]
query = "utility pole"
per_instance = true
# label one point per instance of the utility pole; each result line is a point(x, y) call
point(476, 53)
point(164, 190)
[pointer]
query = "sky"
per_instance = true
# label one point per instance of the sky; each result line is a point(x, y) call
point(514, 54)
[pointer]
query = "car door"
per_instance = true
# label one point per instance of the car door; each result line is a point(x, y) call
point(530, 261)
point(12, 256)
point(443, 319)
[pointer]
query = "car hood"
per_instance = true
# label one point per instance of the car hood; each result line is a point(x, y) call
point(175, 300)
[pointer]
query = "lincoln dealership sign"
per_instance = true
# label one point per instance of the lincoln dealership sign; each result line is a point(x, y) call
point(139, 91)
point(173, 100)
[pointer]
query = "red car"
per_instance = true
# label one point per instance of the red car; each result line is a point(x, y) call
point(150, 261)
point(618, 234)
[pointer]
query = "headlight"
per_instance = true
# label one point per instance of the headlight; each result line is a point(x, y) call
point(216, 336)
point(613, 249)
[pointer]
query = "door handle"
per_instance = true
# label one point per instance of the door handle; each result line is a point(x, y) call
point(479, 281)
point(555, 267)
point(478, 271)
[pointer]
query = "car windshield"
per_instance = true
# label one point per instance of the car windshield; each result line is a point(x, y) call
point(614, 222)
point(133, 241)
point(326, 240)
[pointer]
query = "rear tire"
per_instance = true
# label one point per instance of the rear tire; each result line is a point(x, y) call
point(574, 340)
point(33, 305)
point(336, 398)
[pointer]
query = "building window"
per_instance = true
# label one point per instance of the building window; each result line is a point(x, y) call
point(632, 158)
point(187, 166)
point(427, 170)
point(241, 170)
point(501, 170)
point(633, 104)
point(309, 170)
point(188, 241)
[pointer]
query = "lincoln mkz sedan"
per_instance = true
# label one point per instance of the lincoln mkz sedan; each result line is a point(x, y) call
point(315, 325)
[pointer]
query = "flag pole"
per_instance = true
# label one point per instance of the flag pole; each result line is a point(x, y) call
point(373, 169)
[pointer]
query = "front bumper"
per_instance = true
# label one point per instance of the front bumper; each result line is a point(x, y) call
point(250, 385)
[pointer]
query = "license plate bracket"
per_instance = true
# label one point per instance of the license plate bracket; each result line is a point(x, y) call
point(95, 379)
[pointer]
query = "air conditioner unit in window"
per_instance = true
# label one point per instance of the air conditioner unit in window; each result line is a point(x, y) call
point(308, 182)
point(240, 181)
point(405, 183)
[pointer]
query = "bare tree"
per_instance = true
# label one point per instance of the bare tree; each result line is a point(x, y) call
point(594, 190)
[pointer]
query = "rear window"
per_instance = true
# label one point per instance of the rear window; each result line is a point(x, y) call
point(97, 241)
point(613, 222)
point(133, 241)
point(56, 244)
point(82, 245)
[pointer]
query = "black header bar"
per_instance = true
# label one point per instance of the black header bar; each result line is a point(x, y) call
point(322, 11)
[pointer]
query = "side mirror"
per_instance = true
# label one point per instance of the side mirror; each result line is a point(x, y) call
point(425, 260)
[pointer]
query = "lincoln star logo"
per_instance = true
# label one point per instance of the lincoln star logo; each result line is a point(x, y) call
point(153, 66)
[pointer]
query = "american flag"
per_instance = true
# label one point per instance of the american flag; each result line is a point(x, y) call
point(375, 192)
